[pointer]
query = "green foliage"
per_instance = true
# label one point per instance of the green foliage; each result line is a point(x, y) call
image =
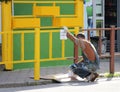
point(109, 75)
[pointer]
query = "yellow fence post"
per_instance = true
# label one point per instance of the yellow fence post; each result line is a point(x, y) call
point(37, 55)
point(7, 36)
point(50, 45)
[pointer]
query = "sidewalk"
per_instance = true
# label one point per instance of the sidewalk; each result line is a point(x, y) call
point(23, 77)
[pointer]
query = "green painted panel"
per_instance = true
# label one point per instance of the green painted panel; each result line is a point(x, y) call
point(66, 8)
point(29, 46)
point(56, 45)
point(46, 21)
point(23, 9)
point(16, 47)
point(44, 43)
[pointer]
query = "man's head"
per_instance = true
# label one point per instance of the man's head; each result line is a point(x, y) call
point(81, 35)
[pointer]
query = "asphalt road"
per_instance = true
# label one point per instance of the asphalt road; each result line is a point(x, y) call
point(102, 85)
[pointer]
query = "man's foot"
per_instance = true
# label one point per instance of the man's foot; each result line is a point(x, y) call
point(92, 77)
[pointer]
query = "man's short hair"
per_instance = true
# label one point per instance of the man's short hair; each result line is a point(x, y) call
point(81, 35)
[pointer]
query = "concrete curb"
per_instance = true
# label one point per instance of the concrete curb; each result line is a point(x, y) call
point(40, 82)
point(34, 83)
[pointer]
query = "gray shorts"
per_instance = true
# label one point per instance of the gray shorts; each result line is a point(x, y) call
point(83, 69)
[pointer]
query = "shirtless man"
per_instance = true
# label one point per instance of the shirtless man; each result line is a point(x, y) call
point(88, 66)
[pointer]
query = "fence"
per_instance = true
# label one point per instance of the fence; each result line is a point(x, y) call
point(111, 54)
point(37, 59)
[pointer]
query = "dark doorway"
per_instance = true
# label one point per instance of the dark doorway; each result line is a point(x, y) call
point(110, 19)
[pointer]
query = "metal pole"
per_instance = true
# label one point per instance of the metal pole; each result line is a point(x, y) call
point(88, 32)
point(76, 46)
point(94, 16)
point(112, 47)
point(100, 42)
point(75, 53)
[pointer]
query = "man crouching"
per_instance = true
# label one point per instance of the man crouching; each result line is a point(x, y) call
point(88, 66)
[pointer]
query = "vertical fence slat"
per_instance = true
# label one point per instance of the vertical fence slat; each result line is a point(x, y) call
point(50, 45)
point(22, 46)
point(63, 48)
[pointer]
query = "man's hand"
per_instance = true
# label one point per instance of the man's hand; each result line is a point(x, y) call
point(65, 29)
point(69, 34)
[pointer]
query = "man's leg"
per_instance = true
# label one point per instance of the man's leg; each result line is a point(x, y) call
point(80, 70)
point(83, 72)
point(91, 67)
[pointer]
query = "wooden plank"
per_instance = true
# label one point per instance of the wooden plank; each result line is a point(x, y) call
point(62, 78)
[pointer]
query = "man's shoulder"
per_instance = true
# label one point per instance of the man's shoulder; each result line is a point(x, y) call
point(86, 42)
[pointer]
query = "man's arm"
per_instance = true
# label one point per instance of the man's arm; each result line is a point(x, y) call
point(69, 35)
point(73, 38)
